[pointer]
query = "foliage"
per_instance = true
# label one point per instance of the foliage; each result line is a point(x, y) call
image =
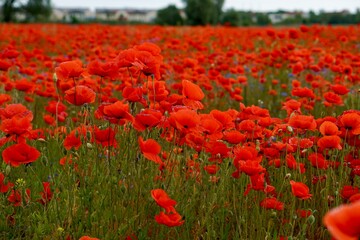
point(35, 10)
point(203, 12)
point(169, 16)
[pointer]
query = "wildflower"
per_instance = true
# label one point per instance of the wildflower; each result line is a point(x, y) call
point(300, 190)
point(343, 222)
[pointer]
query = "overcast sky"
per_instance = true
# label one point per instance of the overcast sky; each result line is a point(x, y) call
point(257, 5)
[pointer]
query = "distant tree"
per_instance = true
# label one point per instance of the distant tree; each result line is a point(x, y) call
point(202, 12)
point(8, 10)
point(38, 10)
point(169, 16)
point(231, 17)
point(35, 10)
point(262, 19)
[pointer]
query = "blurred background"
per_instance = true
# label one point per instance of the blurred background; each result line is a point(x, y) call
point(183, 12)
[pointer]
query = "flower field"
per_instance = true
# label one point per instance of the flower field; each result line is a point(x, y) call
point(147, 132)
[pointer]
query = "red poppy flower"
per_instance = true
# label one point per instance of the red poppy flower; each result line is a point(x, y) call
point(147, 64)
point(317, 160)
point(192, 91)
point(79, 95)
point(350, 122)
point(303, 92)
point(272, 203)
point(13, 110)
point(348, 191)
point(343, 222)
point(16, 125)
point(46, 194)
point(234, 137)
point(4, 187)
point(211, 169)
point(134, 94)
point(163, 200)
point(333, 98)
point(328, 128)
point(331, 142)
point(106, 70)
point(172, 219)
point(147, 118)
point(88, 238)
point(20, 153)
point(4, 65)
point(302, 122)
point(105, 137)
point(4, 98)
point(117, 112)
point(72, 141)
point(184, 119)
point(69, 69)
point(251, 168)
point(339, 89)
point(151, 150)
point(15, 198)
point(303, 213)
point(300, 190)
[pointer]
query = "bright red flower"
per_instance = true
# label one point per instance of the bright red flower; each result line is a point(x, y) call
point(17, 110)
point(332, 142)
point(163, 200)
point(79, 95)
point(350, 122)
point(303, 92)
point(317, 160)
point(169, 219)
point(151, 150)
point(300, 190)
point(192, 91)
point(88, 238)
point(147, 118)
point(4, 187)
point(117, 112)
point(343, 222)
point(333, 98)
point(46, 194)
point(106, 70)
point(184, 119)
point(20, 153)
point(69, 69)
point(272, 203)
point(211, 169)
point(302, 122)
point(16, 125)
point(328, 128)
point(105, 137)
point(15, 198)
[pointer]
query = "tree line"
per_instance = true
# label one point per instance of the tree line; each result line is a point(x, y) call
point(34, 10)
point(195, 12)
point(210, 12)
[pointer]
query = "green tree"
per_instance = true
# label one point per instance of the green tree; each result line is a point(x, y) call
point(169, 16)
point(262, 19)
point(38, 10)
point(202, 12)
point(8, 9)
point(231, 17)
point(35, 10)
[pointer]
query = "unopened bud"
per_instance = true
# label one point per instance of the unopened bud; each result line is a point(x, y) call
point(290, 129)
point(55, 78)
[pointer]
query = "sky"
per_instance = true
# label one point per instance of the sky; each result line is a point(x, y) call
point(254, 5)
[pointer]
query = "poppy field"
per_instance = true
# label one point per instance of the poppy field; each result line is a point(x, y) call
point(148, 132)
